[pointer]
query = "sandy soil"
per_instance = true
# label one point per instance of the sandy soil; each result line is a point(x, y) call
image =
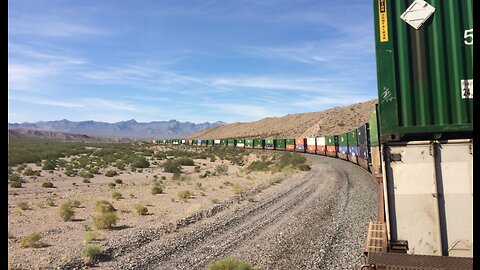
point(64, 239)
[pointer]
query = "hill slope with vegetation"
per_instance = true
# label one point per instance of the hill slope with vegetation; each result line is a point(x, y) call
point(333, 121)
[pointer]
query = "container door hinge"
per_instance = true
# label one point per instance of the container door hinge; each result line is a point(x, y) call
point(470, 148)
point(432, 150)
point(399, 246)
point(395, 157)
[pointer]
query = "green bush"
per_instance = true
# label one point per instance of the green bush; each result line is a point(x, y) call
point(74, 203)
point(30, 172)
point(91, 250)
point(118, 181)
point(304, 167)
point(184, 194)
point(258, 165)
point(141, 163)
point(141, 209)
point(112, 185)
point(89, 236)
point(32, 240)
point(117, 195)
point(221, 169)
point(105, 220)
point(23, 205)
point(111, 173)
point(47, 184)
point(103, 206)
point(16, 184)
point(49, 164)
point(157, 189)
point(14, 178)
point(229, 264)
point(66, 211)
point(186, 162)
point(171, 167)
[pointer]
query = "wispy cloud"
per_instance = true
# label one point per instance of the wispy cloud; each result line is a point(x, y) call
point(242, 110)
point(49, 102)
point(52, 27)
point(104, 104)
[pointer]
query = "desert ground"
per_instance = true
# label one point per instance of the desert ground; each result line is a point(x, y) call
point(211, 181)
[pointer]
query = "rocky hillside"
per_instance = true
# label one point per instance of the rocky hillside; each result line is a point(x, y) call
point(329, 122)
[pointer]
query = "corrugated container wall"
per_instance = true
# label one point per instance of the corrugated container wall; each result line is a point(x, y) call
point(281, 144)
point(311, 145)
point(425, 75)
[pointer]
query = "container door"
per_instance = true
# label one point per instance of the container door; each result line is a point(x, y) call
point(456, 178)
point(412, 197)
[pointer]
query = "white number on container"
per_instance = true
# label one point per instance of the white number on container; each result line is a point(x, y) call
point(468, 36)
point(467, 88)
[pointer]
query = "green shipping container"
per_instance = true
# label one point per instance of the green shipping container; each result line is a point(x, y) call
point(281, 144)
point(373, 126)
point(270, 143)
point(210, 143)
point(249, 143)
point(258, 143)
point(223, 142)
point(231, 142)
point(353, 137)
point(330, 140)
point(343, 139)
point(424, 69)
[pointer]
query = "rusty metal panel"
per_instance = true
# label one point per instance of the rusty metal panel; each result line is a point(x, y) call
point(397, 261)
point(376, 237)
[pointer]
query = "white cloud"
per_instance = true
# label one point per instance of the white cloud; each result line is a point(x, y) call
point(49, 102)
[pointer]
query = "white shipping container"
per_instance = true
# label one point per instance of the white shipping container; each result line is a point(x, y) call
point(321, 141)
point(216, 141)
point(310, 141)
point(429, 196)
point(240, 144)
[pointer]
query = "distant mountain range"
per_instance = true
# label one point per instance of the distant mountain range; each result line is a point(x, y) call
point(120, 130)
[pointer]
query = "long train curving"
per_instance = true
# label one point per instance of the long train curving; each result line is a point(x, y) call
point(418, 142)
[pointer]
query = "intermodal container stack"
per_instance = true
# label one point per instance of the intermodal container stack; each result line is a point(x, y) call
point(231, 142)
point(281, 144)
point(332, 145)
point(290, 144)
point(300, 145)
point(270, 144)
point(240, 143)
point(258, 143)
point(363, 147)
point(321, 146)
point(343, 146)
point(353, 146)
point(311, 146)
point(249, 143)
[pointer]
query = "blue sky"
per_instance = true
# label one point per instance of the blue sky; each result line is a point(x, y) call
point(196, 61)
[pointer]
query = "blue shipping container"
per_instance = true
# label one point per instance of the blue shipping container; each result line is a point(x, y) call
point(343, 149)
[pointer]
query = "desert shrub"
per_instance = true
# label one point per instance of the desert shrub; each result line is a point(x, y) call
point(66, 212)
point(94, 170)
point(118, 181)
point(111, 173)
point(32, 240)
point(14, 178)
point(20, 168)
point(120, 165)
point(89, 236)
point(163, 177)
point(47, 184)
point(157, 189)
point(105, 220)
point(23, 205)
point(186, 162)
point(197, 169)
point(30, 172)
point(50, 201)
point(86, 174)
point(212, 159)
point(304, 167)
point(74, 203)
point(184, 194)
point(229, 264)
point(17, 184)
point(91, 250)
point(221, 169)
point(112, 185)
point(117, 195)
point(103, 206)
point(86, 181)
point(49, 164)
point(139, 170)
point(141, 209)
point(171, 167)
point(141, 162)
point(236, 188)
point(258, 165)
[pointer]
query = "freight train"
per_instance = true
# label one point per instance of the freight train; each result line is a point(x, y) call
point(418, 142)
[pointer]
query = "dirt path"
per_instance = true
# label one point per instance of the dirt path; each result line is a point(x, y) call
point(316, 221)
